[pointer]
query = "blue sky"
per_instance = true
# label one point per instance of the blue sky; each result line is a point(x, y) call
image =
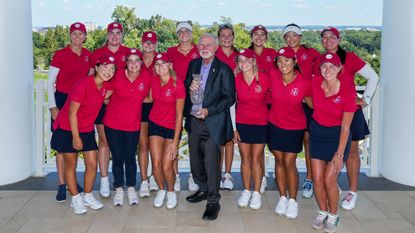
point(267, 12)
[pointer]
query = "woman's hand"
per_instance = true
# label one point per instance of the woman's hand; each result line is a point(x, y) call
point(337, 162)
point(54, 112)
point(77, 143)
point(172, 151)
point(236, 137)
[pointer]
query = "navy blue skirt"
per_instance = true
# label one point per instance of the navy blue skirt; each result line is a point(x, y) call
point(157, 130)
point(285, 140)
point(324, 142)
point(252, 134)
point(101, 114)
point(60, 99)
point(145, 111)
point(62, 141)
point(358, 127)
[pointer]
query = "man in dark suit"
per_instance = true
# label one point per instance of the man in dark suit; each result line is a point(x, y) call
point(208, 124)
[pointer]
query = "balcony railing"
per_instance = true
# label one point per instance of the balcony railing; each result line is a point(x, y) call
point(45, 158)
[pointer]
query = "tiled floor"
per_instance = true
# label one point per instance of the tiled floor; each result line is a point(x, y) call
point(36, 211)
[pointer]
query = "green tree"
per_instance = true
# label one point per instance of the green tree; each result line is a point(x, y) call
point(126, 17)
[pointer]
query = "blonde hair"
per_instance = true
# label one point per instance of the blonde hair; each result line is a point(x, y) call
point(254, 64)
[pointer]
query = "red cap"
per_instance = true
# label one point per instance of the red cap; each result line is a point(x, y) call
point(149, 36)
point(114, 25)
point(331, 29)
point(259, 27)
point(162, 57)
point(286, 52)
point(77, 27)
point(106, 59)
point(330, 57)
point(133, 51)
point(246, 53)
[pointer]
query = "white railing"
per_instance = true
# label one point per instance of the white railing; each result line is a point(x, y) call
point(45, 159)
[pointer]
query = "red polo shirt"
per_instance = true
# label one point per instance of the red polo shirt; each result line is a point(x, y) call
point(287, 101)
point(251, 107)
point(86, 93)
point(229, 60)
point(119, 55)
point(124, 109)
point(328, 111)
point(163, 112)
point(306, 60)
point(180, 61)
point(265, 60)
point(71, 67)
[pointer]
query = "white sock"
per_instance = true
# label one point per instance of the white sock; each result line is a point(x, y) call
point(104, 179)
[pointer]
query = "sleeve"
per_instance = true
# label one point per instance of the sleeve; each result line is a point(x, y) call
point(350, 102)
point(357, 62)
point(372, 81)
point(233, 116)
point(57, 60)
point(53, 74)
point(79, 92)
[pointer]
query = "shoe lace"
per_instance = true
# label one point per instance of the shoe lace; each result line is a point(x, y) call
point(321, 216)
point(333, 219)
point(348, 197)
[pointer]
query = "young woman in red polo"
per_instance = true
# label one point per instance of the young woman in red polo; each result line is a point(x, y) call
point(113, 47)
point(306, 59)
point(68, 66)
point(181, 55)
point(227, 53)
point(74, 131)
point(122, 125)
point(330, 137)
point(165, 127)
point(287, 123)
point(251, 125)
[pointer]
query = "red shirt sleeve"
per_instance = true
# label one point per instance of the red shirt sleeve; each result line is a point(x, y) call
point(180, 91)
point(79, 92)
point(57, 60)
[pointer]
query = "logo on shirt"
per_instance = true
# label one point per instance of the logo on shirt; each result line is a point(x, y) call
point(294, 91)
point(304, 57)
point(103, 92)
point(258, 88)
point(268, 59)
point(123, 58)
point(86, 59)
point(337, 100)
point(194, 56)
point(141, 87)
point(168, 92)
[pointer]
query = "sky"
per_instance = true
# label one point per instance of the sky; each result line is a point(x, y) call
point(205, 12)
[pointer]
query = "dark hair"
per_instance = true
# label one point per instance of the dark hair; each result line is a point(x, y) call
point(296, 66)
point(230, 27)
point(342, 54)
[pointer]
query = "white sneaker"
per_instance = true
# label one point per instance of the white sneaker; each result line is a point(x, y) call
point(89, 200)
point(256, 201)
point(159, 200)
point(193, 187)
point(78, 205)
point(264, 184)
point(118, 199)
point(171, 200)
point(227, 181)
point(153, 184)
point(331, 223)
point(144, 189)
point(243, 200)
point(132, 196)
point(281, 207)
point(308, 189)
point(177, 186)
point(319, 220)
point(104, 188)
point(292, 209)
point(349, 201)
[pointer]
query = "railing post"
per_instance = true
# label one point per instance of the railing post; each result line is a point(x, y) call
point(39, 129)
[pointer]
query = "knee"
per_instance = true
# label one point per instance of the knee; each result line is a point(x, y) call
point(167, 168)
point(329, 181)
point(156, 165)
point(246, 161)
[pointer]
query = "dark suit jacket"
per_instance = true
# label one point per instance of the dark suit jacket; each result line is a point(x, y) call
point(219, 96)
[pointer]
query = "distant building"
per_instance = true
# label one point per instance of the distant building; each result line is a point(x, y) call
point(90, 26)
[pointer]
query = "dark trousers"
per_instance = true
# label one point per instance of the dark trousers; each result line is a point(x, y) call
point(123, 146)
point(204, 160)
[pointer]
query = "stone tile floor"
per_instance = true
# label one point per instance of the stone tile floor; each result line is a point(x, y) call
point(37, 211)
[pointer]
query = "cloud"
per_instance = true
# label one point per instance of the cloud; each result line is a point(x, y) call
point(298, 1)
point(220, 3)
point(65, 1)
point(265, 4)
point(300, 5)
point(87, 6)
point(331, 8)
point(39, 3)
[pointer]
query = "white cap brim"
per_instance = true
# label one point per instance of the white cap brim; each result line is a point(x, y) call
point(294, 29)
point(183, 25)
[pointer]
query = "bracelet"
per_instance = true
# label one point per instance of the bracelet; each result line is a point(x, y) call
point(340, 155)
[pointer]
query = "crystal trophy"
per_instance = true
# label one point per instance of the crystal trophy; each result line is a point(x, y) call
point(196, 96)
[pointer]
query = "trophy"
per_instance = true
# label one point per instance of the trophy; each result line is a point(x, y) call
point(196, 96)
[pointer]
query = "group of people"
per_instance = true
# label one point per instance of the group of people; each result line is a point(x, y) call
point(285, 99)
